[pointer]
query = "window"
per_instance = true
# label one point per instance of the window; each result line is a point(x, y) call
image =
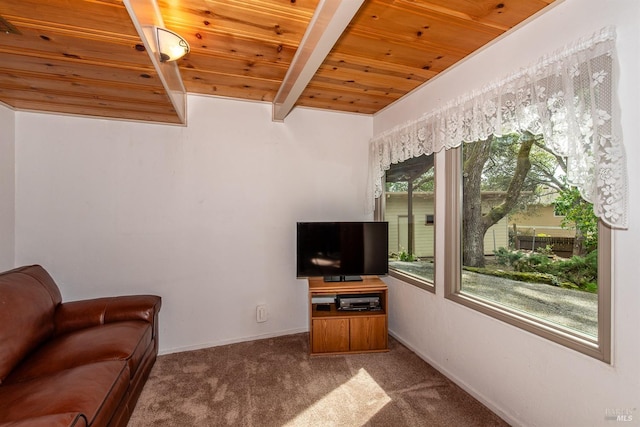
point(506, 251)
point(409, 208)
point(569, 97)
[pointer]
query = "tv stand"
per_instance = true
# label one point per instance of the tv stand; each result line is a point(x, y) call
point(342, 279)
point(333, 331)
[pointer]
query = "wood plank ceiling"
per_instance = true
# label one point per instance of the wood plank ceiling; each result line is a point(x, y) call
point(85, 57)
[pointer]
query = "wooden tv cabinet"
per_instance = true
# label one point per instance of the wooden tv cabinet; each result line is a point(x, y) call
point(336, 332)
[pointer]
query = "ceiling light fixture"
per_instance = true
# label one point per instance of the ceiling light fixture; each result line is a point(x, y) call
point(170, 45)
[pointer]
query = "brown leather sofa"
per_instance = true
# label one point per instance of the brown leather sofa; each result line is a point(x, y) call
point(80, 363)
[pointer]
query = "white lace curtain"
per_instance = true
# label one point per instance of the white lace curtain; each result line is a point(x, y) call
point(569, 97)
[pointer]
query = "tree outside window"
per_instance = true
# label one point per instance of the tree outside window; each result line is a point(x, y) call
point(516, 250)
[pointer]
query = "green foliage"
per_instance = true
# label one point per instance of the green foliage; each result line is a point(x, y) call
point(578, 212)
point(547, 250)
point(535, 262)
point(583, 271)
point(545, 278)
point(577, 272)
point(507, 257)
point(406, 256)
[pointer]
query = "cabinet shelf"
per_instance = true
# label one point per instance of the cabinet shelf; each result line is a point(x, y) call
point(341, 331)
point(333, 312)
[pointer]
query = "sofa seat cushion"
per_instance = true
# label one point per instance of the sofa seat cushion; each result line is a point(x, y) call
point(94, 390)
point(69, 419)
point(126, 341)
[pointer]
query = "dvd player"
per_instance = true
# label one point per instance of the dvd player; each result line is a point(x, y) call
point(358, 302)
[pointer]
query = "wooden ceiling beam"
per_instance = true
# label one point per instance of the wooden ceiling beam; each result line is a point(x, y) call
point(327, 25)
point(145, 15)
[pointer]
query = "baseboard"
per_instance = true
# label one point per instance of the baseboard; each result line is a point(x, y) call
point(462, 384)
point(232, 341)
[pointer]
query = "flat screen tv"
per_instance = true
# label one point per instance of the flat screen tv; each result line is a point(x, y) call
point(342, 251)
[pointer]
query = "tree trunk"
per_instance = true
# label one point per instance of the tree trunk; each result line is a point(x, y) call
point(472, 230)
point(475, 225)
point(578, 244)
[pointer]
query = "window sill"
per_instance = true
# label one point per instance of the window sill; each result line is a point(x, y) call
point(563, 336)
point(413, 280)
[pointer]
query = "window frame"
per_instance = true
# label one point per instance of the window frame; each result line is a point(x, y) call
point(599, 348)
point(379, 212)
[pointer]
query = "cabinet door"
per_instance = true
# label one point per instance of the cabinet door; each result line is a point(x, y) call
point(368, 333)
point(330, 335)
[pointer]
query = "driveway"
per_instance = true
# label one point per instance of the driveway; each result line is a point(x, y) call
point(570, 308)
point(573, 309)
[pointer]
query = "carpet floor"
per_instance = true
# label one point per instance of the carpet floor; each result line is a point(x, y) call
point(274, 382)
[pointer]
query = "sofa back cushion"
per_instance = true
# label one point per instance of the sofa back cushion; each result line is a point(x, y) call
point(28, 299)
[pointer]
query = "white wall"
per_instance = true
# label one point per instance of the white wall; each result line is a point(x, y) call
point(528, 380)
point(7, 188)
point(202, 215)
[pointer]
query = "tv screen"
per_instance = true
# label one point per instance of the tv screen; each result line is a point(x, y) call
point(342, 251)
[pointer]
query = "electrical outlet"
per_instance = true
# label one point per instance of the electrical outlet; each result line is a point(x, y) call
point(261, 313)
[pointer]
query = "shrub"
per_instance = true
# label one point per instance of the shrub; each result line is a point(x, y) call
point(583, 271)
point(577, 272)
point(534, 262)
point(406, 256)
point(547, 250)
point(506, 257)
point(532, 277)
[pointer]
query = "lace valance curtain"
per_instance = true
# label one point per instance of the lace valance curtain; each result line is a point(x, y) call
point(568, 97)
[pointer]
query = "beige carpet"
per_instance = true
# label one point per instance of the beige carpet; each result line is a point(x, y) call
point(274, 382)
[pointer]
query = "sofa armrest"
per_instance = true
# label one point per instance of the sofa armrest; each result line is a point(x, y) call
point(75, 315)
